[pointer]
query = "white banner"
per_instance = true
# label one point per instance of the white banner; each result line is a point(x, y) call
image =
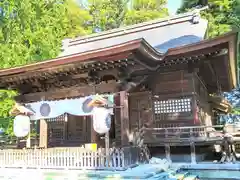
point(53, 109)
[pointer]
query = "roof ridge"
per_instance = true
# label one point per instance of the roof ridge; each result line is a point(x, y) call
point(135, 26)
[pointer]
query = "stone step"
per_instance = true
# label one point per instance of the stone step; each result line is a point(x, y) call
point(181, 176)
point(191, 177)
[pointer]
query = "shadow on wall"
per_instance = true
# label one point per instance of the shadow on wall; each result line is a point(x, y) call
point(176, 42)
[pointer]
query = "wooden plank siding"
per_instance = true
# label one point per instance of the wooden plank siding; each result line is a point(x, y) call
point(202, 101)
point(183, 97)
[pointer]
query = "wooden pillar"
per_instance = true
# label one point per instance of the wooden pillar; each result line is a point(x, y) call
point(43, 139)
point(93, 134)
point(28, 142)
point(168, 152)
point(193, 153)
point(64, 138)
point(124, 117)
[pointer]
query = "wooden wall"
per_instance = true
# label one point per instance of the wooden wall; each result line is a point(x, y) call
point(204, 109)
point(73, 132)
point(177, 99)
point(140, 110)
point(173, 99)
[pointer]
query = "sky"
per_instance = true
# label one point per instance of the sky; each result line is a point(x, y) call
point(173, 5)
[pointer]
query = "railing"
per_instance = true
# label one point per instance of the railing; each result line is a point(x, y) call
point(193, 133)
point(70, 158)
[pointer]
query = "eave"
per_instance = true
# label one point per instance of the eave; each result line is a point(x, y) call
point(137, 50)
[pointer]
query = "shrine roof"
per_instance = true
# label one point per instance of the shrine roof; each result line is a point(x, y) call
point(162, 34)
point(152, 58)
point(171, 32)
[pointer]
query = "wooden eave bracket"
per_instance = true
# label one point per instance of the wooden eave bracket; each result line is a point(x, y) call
point(220, 104)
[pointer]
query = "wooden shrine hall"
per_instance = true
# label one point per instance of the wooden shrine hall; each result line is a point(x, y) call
point(148, 88)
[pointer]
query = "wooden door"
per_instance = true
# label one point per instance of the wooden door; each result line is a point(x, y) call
point(56, 131)
point(140, 110)
point(79, 129)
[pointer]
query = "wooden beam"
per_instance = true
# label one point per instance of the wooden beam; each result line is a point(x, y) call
point(68, 70)
point(71, 92)
point(232, 64)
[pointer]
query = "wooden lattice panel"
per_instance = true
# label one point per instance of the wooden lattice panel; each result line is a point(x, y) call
point(172, 109)
point(58, 120)
point(79, 128)
point(170, 125)
point(56, 128)
point(57, 133)
point(172, 106)
point(80, 125)
point(140, 110)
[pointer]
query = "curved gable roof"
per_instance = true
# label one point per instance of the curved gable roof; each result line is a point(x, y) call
point(163, 34)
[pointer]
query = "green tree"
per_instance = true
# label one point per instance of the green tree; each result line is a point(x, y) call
point(32, 30)
point(223, 15)
point(6, 103)
point(107, 14)
point(76, 20)
point(115, 13)
point(145, 10)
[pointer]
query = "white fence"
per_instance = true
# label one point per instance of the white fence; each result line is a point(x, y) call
point(70, 158)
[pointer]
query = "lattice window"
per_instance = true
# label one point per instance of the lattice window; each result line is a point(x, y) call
point(168, 125)
point(79, 128)
point(58, 120)
point(57, 133)
point(172, 106)
point(56, 128)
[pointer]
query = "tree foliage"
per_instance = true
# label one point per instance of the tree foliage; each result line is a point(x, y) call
point(146, 10)
point(115, 13)
point(222, 15)
point(31, 31)
point(107, 14)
